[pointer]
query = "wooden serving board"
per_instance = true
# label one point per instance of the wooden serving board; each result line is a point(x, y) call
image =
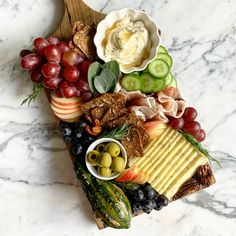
point(77, 10)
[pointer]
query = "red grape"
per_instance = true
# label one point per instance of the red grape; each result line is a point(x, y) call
point(24, 52)
point(58, 92)
point(177, 123)
point(71, 73)
point(51, 83)
point(30, 61)
point(50, 70)
point(68, 90)
point(191, 127)
point(40, 44)
point(200, 135)
point(77, 93)
point(82, 85)
point(36, 75)
point(53, 40)
point(190, 114)
point(52, 53)
point(86, 96)
point(70, 58)
point(64, 47)
point(83, 67)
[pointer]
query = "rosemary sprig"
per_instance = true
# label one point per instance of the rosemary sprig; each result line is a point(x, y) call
point(117, 133)
point(198, 145)
point(36, 90)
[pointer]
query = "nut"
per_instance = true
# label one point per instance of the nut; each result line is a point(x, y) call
point(205, 176)
point(189, 187)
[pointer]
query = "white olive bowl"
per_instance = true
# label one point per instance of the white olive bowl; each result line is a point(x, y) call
point(135, 15)
point(93, 169)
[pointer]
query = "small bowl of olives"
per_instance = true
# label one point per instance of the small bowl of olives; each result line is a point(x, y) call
point(106, 158)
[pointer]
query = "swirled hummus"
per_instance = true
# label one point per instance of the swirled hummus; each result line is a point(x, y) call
point(127, 42)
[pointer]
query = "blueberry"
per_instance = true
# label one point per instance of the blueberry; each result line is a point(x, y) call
point(148, 206)
point(77, 149)
point(81, 124)
point(136, 208)
point(162, 200)
point(63, 125)
point(67, 138)
point(88, 140)
point(138, 195)
point(158, 207)
point(66, 131)
point(78, 132)
point(149, 192)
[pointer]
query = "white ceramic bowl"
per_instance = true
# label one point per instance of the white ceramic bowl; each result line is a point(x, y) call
point(135, 15)
point(93, 169)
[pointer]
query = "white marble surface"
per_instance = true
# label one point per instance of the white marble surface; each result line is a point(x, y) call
point(38, 192)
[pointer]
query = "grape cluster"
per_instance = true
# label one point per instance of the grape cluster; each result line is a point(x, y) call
point(74, 133)
point(145, 198)
point(57, 67)
point(188, 124)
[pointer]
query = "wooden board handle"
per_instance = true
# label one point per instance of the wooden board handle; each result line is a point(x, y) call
point(76, 10)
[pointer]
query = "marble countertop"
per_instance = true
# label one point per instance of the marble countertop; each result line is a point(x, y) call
point(38, 191)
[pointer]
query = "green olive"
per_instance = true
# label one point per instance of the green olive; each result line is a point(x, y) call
point(118, 164)
point(101, 147)
point(104, 159)
point(92, 157)
point(113, 149)
point(103, 171)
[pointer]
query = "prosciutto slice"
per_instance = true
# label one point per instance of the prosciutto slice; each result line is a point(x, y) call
point(172, 104)
point(167, 103)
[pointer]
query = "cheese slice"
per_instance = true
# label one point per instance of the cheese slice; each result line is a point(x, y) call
point(169, 161)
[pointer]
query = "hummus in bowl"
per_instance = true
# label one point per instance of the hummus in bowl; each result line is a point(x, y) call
point(128, 36)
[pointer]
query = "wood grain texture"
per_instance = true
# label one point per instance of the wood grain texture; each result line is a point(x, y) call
point(76, 10)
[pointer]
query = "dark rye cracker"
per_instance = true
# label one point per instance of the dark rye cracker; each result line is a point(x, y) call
point(114, 112)
point(133, 143)
point(98, 113)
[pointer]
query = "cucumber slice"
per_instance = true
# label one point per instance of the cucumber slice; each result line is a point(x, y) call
point(158, 68)
point(173, 83)
point(162, 49)
point(147, 83)
point(159, 84)
point(168, 79)
point(131, 82)
point(165, 57)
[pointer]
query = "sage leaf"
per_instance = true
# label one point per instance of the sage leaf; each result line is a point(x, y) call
point(113, 66)
point(94, 70)
point(110, 78)
point(100, 84)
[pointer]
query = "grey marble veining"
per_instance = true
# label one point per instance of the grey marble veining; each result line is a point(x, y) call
point(39, 194)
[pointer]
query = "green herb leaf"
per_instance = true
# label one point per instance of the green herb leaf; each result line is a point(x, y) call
point(117, 133)
point(113, 66)
point(198, 145)
point(105, 82)
point(94, 70)
point(100, 84)
point(36, 90)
